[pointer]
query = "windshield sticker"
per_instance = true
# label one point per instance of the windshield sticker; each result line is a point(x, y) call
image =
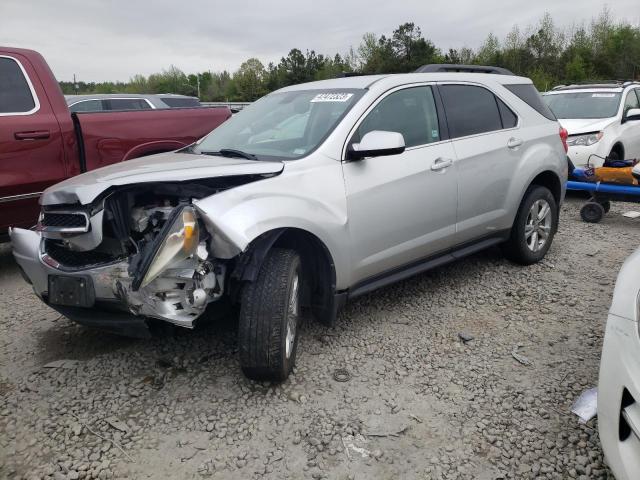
point(331, 97)
point(603, 95)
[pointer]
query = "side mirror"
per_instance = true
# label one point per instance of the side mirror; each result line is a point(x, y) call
point(377, 143)
point(632, 114)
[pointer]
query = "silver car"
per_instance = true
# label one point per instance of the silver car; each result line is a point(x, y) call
point(128, 101)
point(389, 176)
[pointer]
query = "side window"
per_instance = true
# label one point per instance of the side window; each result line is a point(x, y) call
point(128, 104)
point(86, 106)
point(470, 110)
point(631, 101)
point(15, 94)
point(411, 112)
point(509, 119)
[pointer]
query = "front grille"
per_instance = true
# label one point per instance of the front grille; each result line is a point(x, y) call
point(71, 258)
point(64, 220)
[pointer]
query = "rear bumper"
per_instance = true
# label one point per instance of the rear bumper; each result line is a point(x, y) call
point(619, 387)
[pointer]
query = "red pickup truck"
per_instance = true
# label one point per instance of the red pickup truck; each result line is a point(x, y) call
point(42, 143)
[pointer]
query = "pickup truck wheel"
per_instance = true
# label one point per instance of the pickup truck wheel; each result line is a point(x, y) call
point(270, 309)
point(534, 227)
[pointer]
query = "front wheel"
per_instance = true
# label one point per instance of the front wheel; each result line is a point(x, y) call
point(269, 317)
point(534, 227)
point(592, 212)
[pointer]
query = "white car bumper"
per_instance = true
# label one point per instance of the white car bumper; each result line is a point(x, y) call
point(581, 155)
point(619, 398)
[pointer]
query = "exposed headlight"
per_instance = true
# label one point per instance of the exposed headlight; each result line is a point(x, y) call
point(179, 243)
point(584, 140)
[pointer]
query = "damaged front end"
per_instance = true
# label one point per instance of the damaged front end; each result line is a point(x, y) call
point(138, 251)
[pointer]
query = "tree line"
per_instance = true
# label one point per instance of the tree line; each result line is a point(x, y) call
point(548, 54)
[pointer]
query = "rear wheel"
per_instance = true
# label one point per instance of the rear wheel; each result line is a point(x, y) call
point(592, 212)
point(270, 310)
point(534, 227)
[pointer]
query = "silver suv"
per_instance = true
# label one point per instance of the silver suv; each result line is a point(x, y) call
point(313, 195)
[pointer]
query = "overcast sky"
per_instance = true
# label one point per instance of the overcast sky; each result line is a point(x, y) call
point(115, 39)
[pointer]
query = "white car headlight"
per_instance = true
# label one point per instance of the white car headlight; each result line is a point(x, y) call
point(584, 140)
point(180, 243)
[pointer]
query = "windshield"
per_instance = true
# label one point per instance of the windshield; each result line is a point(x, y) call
point(583, 104)
point(285, 125)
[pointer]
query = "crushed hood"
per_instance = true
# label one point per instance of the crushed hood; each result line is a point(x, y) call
point(576, 126)
point(164, 167)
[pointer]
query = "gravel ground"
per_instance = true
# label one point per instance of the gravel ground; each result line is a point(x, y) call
point(416, 403)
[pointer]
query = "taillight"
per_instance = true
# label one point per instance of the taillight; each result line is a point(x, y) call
point(563, 136)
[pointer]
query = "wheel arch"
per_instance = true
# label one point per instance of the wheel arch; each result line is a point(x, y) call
point(317, 261)
point(618, 147)
point(550, 180)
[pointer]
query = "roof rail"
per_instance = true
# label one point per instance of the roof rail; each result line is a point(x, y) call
point(445, 67)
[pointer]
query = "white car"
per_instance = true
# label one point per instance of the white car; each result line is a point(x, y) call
point(602, 120)
point(619, 386)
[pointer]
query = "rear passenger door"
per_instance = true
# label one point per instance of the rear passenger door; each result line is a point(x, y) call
point(402, 208)
point(485, 136)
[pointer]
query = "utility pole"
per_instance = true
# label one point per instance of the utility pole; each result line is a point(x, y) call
point(75, 85)
point(198, 78)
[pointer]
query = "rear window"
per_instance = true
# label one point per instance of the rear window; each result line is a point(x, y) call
point(470, 110)
point(127, 104)
point(86, 106)
point(529, 95)
point(181, 102)
point(15, 94)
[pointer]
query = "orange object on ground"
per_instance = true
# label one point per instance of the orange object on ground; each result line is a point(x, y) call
point(615, 175)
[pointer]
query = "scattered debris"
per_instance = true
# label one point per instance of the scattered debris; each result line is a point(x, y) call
point(114, 443)
point(65, 363)
point(586, 405)
point(465, 337)
point(520, 358)
point(350, 444)
point(117, 424)
point(416, 418)
point(593, 252)
point(631, 214)
point(341, 375)
point(388, 434)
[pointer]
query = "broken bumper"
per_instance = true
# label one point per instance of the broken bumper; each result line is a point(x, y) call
point(114, 306)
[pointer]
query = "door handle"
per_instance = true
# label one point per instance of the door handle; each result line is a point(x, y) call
point(35, 135)
point(514, 143)
point(441, 163)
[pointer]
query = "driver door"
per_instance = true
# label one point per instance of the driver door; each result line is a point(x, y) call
point(402, 208)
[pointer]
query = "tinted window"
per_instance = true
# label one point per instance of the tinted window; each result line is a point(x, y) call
point(127, 104)
point(470, 110)
point(87, 106)
point(584, 104)
point(509, 119)
point(411, 112)
point(529, 95)
point(631, 101)
point(181, 102)
point(15, 94)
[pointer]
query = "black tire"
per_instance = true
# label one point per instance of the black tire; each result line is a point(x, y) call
point(606, 205)
point(265, 306)
point(517, 248)
point(592, 212)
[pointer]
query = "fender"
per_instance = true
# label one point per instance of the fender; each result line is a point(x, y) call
point(538, 159)
point(237, 217)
